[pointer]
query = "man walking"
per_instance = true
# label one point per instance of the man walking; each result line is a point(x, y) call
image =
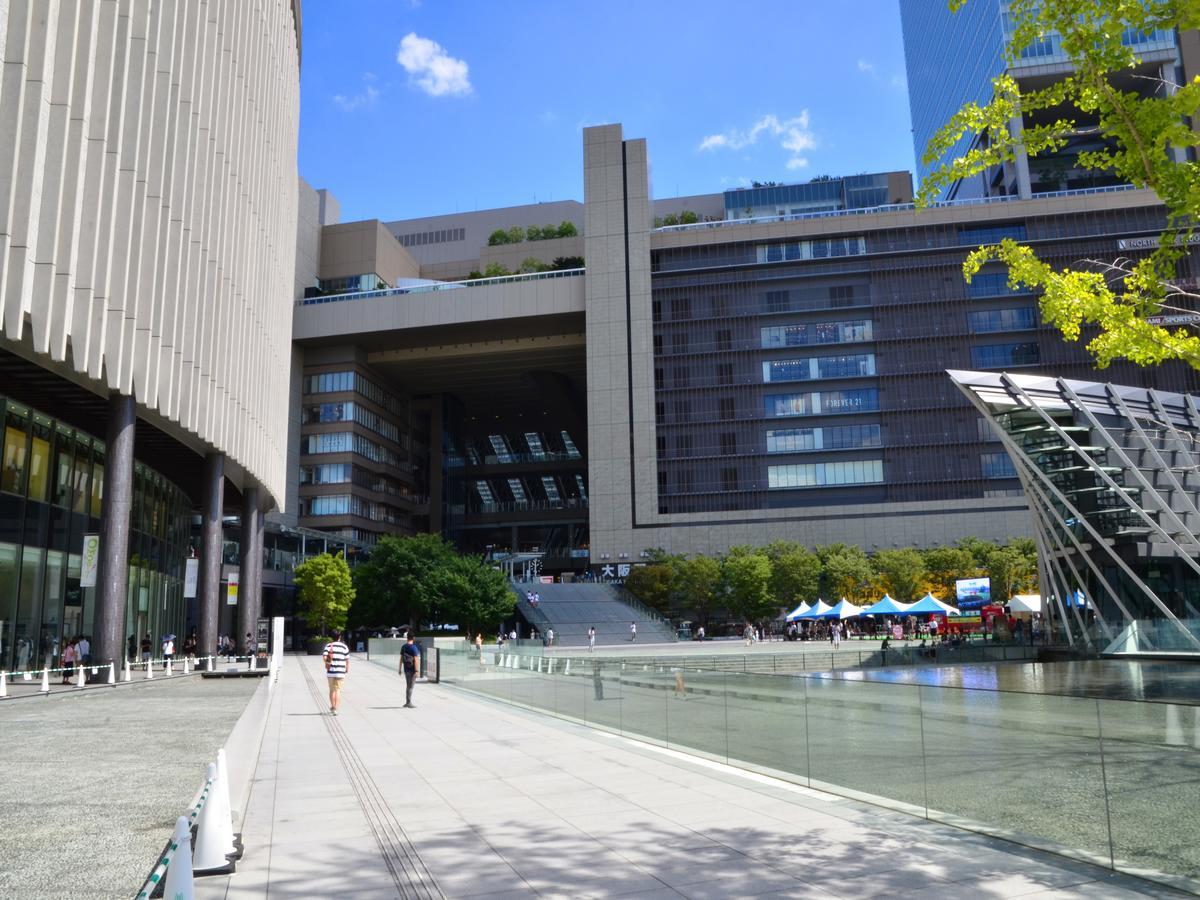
point(591, 638)
point(410, 664)
point(337, 667)
point(633, 632)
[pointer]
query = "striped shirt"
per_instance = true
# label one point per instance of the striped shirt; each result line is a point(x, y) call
point(336, 654)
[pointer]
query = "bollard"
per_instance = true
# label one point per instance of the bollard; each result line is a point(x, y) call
point(3, 685)
point(214, 831)
point(187, 668)
point(253, 661)
point(567, 671)
point(126, 674)
point(226, 803)
point(45, 688)
point(149, 669)
point(178, 884)
point(112, 674)
point(168, 667)
point(210, 664)
point(79, 676)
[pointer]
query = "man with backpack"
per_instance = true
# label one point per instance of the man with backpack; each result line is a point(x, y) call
point(337, 667)
point(410, 665)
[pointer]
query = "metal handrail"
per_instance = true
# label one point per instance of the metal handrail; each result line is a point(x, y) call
point(439, 286)
point(629, 598)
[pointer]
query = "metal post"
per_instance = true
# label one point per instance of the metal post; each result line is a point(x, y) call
point(210, 552)
point(112, 579)
point(246, 620)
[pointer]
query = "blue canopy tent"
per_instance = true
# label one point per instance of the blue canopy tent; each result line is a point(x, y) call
point(797, 612)
point(816, 612)
point(843, 610)
point(930, 605)
point(886, 607)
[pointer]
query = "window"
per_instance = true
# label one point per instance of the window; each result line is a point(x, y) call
point(816, 333)
point(725, 373)
point(679, 376)
point(726, 407)
point(679, 342)
point(997, 465)
point(838, 437)
point(729, 479)
point(724, 339)
point(683, 445)
point(777, 301)
point(818, 248)
point(851, 401)
point(985, 321)
point(992, 284)
point(990, 234)
point(659, 381)
point(830, 474)
point(818, 367)
point(728, 444)
point(681, 308)
point(683, 409)
point(996, 356)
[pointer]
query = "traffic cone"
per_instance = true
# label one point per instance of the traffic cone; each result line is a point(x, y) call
point(149, 669)
point(169, 672)
point(79, 677)
point(187, 669)
point(253, 661)
point(179, 884)
point(567, 670)
point(112, 674)
point(223, 793)
point(45, 688)
point(126, 675)
point(3, 685)
point(214, 831)
point(210, 664)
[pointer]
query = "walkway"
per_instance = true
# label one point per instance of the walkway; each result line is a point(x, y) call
point(462, 797)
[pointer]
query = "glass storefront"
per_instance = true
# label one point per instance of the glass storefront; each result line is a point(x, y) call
point(51, 491)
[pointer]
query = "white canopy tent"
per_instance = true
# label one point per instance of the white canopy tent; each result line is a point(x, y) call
point(1025, 603)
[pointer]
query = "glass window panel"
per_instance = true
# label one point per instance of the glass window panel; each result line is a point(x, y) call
point(16, 433)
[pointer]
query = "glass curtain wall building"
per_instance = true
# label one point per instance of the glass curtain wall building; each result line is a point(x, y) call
point(51, 493)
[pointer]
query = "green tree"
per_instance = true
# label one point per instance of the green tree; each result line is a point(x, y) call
point(847, 571)
point(795, 572)
point(497, 237)
point(747, 577)
point(902, 573)
point(1146, 138)
point(532, 264)
point(473, 274)
point(697, 582)
point(469, 592)
point(687, 217)
point(670, 219)
point(978, 548)
point(945, 565)
point(567, 229)
point(516, 234)
point(533, 233)
point(325, 591)
point(567, 262)
point(1009, 569)
point(393, 585)
point(652, 584)
point(496, 270)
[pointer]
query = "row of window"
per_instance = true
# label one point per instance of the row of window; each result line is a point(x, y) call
point(334, 382)
point(350, 505)
point(837, 437)
point(817, 248)
point(348, 442)
point(816, 333)
point(998, 356)
point(829, 474)
point(818, 367)
point(441, 236)
point(821, 402)
point(351, 412)
point(997, 465)
point(992, 284)
point(985, 321)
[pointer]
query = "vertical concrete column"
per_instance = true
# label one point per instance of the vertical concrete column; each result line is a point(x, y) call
point(246, 615)
point(209, 599)
point(1016, 127)
point(256, 566)
point(112, 577)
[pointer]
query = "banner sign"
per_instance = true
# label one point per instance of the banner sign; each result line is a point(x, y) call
point(191, 570)
point(232, 591)
point(973, 593)
point(91, 560)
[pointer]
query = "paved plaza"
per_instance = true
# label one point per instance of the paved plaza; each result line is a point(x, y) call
point(465, 797)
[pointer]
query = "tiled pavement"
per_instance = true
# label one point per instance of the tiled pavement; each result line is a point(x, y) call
point(462, 797)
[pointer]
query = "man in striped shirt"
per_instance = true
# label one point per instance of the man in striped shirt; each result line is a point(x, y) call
point(337, 666)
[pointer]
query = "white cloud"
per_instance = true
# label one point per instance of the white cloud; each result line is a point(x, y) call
point(793, 134)
point(365, 99)
point(899, 82)
point(864, 66)
point(432, 69)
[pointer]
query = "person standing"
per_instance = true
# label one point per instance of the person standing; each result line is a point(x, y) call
point(146, 645)
point(168, 650)
point(591, 638)
point(410, 664)
point(83, 650)
point(633, 632)
point(68, 660)
point(479, 645)
point(836, 636)
point(549, 637)
point(337, 666)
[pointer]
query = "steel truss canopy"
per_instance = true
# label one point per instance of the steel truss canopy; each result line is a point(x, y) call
point(1112, 477)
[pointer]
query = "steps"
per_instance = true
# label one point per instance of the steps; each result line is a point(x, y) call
point(570, 609)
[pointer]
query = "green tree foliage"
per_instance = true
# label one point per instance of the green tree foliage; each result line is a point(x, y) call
point(567, 262)
point(467, 591)
point(848, 572)
point(498, 237)
point(901, 573)
point(393, 585)
point(795, 572)
point(567, 229)
point(652, 584)
point(945, 565)
point(496, 270)
point(1143, 132)
point(1010, 570)
point(532, 264)
point(670, 219)
point(533, 233)
point(978, 548)
point(747, 577)
point(325, 591)
point(516, 234)
point(697, 582)
point(687, 217)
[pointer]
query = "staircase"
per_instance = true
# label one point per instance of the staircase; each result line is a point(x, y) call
point(570, 609)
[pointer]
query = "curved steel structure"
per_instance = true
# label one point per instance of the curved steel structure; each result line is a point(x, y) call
point(1112, 477)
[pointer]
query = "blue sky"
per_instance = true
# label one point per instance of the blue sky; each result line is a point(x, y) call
point(420, 108)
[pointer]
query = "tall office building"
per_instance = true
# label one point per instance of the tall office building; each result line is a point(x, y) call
point(951, 59)
point(147, 252)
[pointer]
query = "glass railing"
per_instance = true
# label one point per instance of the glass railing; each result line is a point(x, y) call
point(440, 286)
point(890, 207)
point(527, 505)
point(1109, 782)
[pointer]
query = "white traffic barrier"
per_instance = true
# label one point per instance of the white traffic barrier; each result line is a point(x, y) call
point(149, 669)
point(210, 663)
point(3, 685)
point(45, 688)
point(79, 680)
point(126, 675)
point(168, 668)
point(567, 670)
point(112, 674)
point(179, 884)
point(214, 831)
point(223, 797)
point(253, 660)
point(187, 666)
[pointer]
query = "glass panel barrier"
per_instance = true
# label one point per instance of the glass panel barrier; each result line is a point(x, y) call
point(695, 709)
point(644, 703)
point(766, 724)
